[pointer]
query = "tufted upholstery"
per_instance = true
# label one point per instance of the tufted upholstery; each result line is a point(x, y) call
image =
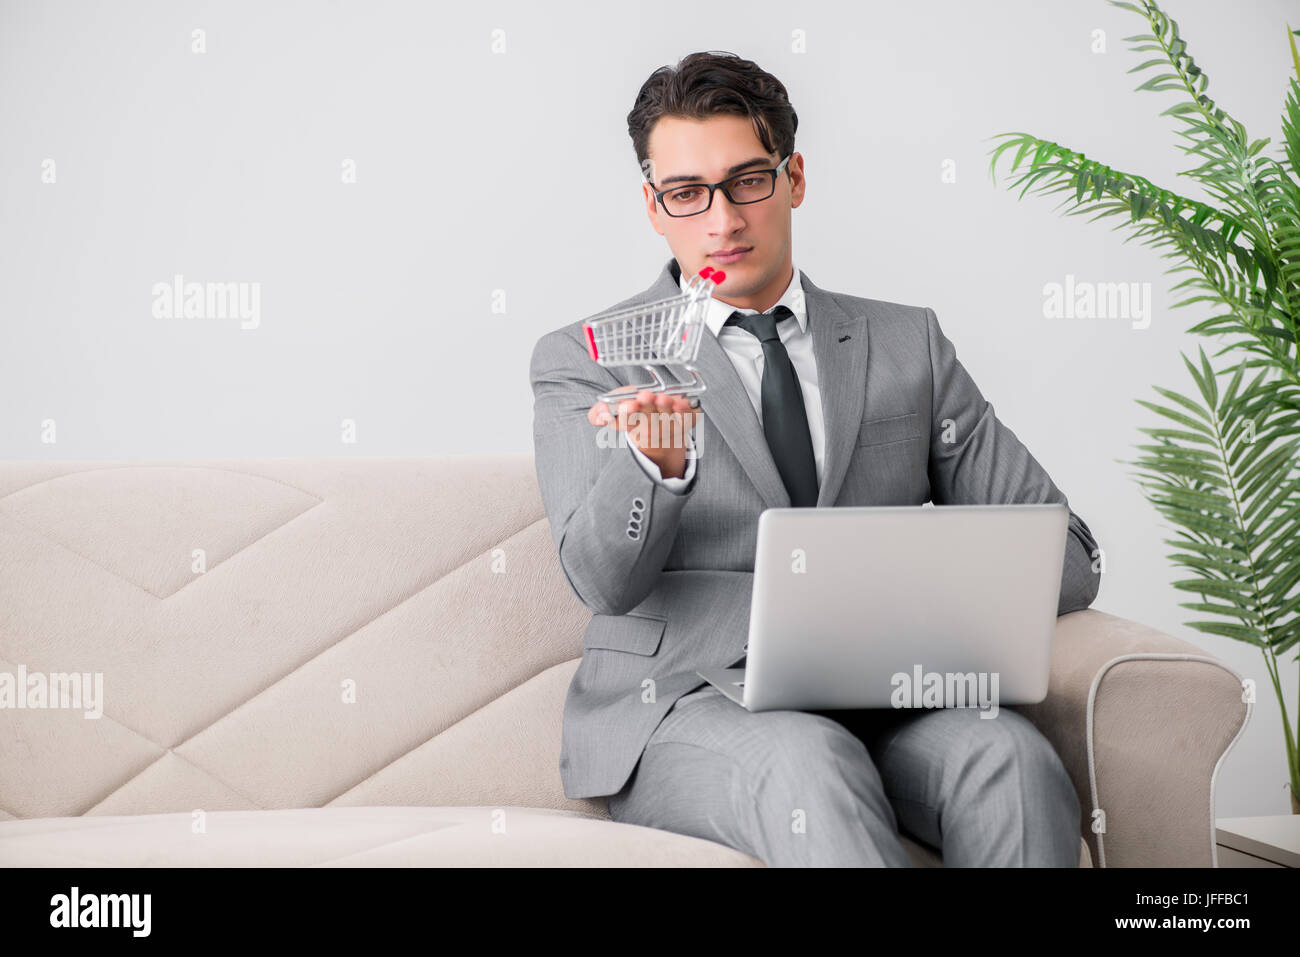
point(365, 661)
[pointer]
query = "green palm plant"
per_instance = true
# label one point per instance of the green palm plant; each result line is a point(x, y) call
point(1221, 475)
point(1224, 468)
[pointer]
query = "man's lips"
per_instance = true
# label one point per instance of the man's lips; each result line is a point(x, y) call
point(731, 252)
point(728, 259)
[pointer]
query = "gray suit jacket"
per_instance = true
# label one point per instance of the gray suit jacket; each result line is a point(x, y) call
point(668, 575)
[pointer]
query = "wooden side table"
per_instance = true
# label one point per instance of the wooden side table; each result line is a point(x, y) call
point(1272, 841)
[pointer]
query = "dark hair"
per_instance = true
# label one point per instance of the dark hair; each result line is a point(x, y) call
point(707, 84)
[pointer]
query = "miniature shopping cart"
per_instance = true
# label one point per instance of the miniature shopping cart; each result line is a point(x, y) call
point(664, 334)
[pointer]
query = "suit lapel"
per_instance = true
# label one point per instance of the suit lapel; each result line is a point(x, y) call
point(840, 348)
point(841, 371)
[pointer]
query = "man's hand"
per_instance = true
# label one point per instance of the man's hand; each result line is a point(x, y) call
point(655, 423)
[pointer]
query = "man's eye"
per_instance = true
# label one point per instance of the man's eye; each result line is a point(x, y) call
point(685, 194)
point(747, 181)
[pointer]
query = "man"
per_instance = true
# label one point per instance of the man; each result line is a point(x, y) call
point(820, 399)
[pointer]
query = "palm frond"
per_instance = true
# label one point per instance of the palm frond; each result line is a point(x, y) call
point(1227, 477)
point(1227, 166)
point(1199, 237)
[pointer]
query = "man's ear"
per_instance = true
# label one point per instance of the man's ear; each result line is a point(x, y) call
point(652, 207)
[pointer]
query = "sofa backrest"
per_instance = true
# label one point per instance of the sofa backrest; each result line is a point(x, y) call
point(280, 633)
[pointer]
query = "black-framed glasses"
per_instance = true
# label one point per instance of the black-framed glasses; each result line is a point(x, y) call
point(691, 199)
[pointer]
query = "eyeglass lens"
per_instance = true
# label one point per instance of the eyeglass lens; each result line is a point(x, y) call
point(745, 188)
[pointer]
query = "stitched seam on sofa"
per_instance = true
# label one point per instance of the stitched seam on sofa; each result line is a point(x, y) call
point(137, 465)
point(89, 561)
point(342, 638)
point(180, 757)
point(393, 843)
point(465, 717)
point(220, 780)
point(242, 548)
point(531, 811)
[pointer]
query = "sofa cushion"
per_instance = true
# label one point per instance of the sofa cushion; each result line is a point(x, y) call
point(369, 837)
point(355, 837)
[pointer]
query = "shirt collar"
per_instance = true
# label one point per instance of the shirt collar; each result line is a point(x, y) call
point(793, 297)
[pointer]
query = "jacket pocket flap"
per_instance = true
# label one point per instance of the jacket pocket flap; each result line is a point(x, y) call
point(639, 634)
point(891, 428)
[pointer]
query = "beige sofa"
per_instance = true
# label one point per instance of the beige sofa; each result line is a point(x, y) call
point(364, 662)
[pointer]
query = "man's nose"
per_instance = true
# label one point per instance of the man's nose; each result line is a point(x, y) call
point(723, 215)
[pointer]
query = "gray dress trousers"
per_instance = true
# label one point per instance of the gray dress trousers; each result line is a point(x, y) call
point(834, 788)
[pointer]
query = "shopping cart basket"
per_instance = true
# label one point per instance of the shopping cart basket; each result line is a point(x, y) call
point(663, 334)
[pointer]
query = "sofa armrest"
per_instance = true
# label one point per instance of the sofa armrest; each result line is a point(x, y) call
point(1142, 721)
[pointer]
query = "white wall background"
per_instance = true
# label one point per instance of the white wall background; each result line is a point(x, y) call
point(376, 296)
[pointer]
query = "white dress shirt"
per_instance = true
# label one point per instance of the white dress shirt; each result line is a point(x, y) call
point(746, 354)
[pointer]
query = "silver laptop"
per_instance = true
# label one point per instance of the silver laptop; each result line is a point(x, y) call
point(908, 606)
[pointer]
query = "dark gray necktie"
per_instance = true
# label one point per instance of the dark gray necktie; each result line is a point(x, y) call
point(785, 421)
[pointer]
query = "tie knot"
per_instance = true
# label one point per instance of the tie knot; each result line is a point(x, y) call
point(761, 325)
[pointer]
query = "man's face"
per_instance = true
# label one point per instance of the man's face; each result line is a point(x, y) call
point(707, 151)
